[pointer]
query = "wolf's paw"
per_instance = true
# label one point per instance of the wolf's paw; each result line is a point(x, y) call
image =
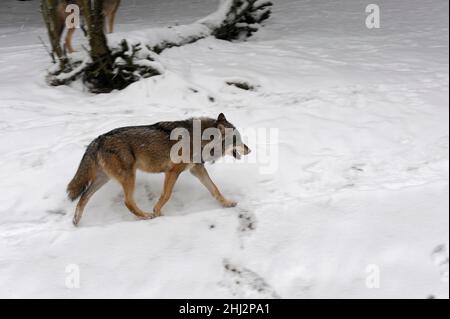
point(148, 216)
point(156, 213)
point(75, 222)
point(229, 203)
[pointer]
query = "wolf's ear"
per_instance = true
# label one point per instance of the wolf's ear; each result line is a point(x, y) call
point(221, 127)
point(221, 118)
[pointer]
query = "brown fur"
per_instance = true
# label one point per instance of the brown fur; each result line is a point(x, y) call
point(119, 153)
point(110, 8)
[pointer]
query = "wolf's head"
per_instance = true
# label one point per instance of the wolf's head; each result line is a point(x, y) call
point(232, 143)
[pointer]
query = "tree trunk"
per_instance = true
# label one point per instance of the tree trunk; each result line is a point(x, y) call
point(95, 20)
point(99, 75)
point(54, 28)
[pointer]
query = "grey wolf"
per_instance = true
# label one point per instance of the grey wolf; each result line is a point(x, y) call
point(119, 153)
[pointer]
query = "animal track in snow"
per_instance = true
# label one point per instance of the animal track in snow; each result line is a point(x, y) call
point(56, 211)
point(245, 283)
point(440, 259)
point(358, 167)
point(247, 221)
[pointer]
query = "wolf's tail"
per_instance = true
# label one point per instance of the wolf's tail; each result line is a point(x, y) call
point(85, 174)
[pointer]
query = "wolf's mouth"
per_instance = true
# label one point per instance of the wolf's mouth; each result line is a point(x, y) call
point(241, 149)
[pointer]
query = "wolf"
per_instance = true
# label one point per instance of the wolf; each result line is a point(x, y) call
point(119, 153)
point(110, 8)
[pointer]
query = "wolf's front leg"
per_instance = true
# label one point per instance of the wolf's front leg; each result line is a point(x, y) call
point(200, 172)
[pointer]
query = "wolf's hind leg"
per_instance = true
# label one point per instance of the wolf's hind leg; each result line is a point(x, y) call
point(100, 180)
point(128, 182)
point(201, 173)
point(68, 40)
point(111, 19)
point(119, 164)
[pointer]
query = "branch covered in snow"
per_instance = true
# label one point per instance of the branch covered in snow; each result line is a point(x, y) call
point(233, 20)
point(242, 18)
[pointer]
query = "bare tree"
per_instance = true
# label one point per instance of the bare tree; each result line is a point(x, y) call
point(95, 21)
point(54, 28)
point(99, 73)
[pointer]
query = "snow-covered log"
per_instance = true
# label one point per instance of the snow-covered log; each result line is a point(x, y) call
point(234, 20)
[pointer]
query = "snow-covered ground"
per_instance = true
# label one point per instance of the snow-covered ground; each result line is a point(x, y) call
point(358, 204)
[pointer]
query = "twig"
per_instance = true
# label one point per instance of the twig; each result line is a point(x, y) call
point(47, 49)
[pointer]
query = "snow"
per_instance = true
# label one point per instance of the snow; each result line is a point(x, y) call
point(360, 185)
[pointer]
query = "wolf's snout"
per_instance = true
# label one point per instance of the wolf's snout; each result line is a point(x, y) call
point(243, 149)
